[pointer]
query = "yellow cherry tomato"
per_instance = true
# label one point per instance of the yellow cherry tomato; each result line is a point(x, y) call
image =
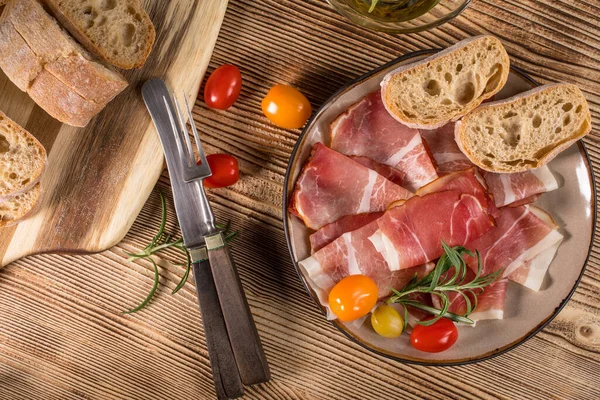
point(353, 297)
point(387, 322)
point(286, 107)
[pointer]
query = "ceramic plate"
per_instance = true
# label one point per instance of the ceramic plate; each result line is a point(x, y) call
point(572, 206)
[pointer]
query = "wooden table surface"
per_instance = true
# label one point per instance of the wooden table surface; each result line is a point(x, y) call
point(62, 334)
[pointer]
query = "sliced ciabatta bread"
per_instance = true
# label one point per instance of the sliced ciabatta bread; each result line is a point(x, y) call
point(118, 31)
point(525, 131)
point(33, 46)
point(22, 159)
point(14, 210)
point(444, 87)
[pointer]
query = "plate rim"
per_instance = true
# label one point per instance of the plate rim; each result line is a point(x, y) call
point(409, 360)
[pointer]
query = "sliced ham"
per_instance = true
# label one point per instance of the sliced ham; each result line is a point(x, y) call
point(490, 300)
point(532, 272)
point(332, 185)
point(366, 129)
point(350, 254)
point(334, 230)
point(448, 157)
point(412, 234)
point(521, 234)
point(467, 182)
point(521, 186)
point(389, 173)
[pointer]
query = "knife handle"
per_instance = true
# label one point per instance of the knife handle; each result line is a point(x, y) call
point(249, 354)
point(228, 384)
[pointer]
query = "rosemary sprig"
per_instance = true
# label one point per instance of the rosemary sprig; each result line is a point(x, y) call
point(373, 4)
point(162, 241)
point(433, 284)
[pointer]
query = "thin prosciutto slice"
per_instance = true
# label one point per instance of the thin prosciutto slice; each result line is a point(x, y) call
point(520, 235)
point(334, 230)
point(389, 173)
point(467, 182)
point(490, 300)
point(448, 157)
point(521, 186)
point(532, 272)
point(366, 129)
point(350, 254)
point(412, 234)
point(331, 186)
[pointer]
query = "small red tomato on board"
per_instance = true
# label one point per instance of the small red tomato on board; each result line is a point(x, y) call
point(439, 336)
point(286, 107)
point(223, 87)
point(353, 297)
point(225, 171)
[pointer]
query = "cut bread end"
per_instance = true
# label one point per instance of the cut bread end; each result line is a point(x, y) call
point(19, 207)
point(525, 131)
point(444, 87)
point(22, 159)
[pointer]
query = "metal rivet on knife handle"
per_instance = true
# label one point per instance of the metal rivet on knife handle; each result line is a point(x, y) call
point(215, 242)
point(200, 254)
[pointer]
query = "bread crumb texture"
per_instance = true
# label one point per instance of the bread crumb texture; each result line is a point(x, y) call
point(17, 208)
point(526, 131)
point(450, 83)
point(22, 158)
point(119, 31)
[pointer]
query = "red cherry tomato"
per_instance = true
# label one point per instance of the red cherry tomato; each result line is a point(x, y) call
point(439, 336)
point(225, 171)
point(223, 87)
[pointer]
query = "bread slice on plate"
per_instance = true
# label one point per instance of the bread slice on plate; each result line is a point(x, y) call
point(22, 159)
point(33, 47)
point(117, 31)
point(19, 207)
point(444, 87)
point(525, 131)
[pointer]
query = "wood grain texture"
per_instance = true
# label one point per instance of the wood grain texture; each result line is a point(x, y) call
point(99, 177)
point(61, 334)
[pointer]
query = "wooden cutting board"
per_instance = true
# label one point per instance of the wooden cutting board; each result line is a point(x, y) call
point(99, 177)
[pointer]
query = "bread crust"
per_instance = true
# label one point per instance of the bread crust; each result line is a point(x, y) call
point(421, 124)
point(460, 129)
point(90, 80)
point(37, 47)
point(18, 61)
point(61, 102)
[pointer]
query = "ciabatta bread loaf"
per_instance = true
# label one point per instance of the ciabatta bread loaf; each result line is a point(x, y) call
point(525, 131)
point(34, 46)
point(117, 31)
point(19, 207)
point(444, 87)
point(22, 159)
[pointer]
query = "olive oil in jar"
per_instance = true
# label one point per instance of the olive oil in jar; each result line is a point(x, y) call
point(392, 10)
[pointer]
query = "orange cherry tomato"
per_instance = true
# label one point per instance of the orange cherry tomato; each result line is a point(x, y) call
point(439, 336)
point(353, 297)
point(223, 87)
point(286, 107)
point(225, 171)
